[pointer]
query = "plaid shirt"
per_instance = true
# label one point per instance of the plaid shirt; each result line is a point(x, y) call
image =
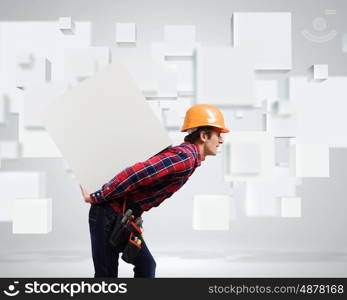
point(150, 182)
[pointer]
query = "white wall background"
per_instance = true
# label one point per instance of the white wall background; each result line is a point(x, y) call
point(168, 229)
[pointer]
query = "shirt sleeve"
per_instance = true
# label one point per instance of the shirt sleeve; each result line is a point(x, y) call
point(176, 165)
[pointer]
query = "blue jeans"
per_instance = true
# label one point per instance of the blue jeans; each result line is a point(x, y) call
point(101, 221)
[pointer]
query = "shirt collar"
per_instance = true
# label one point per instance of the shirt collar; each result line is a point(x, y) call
point(196, 152)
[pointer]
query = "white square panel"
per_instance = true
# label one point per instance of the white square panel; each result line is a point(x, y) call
point(259, 150)
point(225, 76)
point(262, 195)
point(211, 212)
point(245, 159)
point(65, 23)
point(99, 142)
point(310, 160)
point(32, 216)
point(327, 99)
point(269, 33)
point(32, 185)
point(126, 33)
point(291, 207)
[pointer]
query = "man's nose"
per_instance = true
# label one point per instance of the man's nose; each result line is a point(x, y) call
point(220, 140)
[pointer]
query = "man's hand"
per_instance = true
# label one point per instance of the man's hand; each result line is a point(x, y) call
point(86, 195)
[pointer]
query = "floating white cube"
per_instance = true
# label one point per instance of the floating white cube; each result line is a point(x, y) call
point(320, 110)
point(291, 207)
point(225, 76)
point(14, 184)
point(269, 34)
point(32, 216)
point(211, 212)
point(65, 23)
point(90, 141)
point(24, 58)
point(261, 196)
point(310, 160)
point(320, 72)
point(245, 159)
point(248, 155)
point(125, 33)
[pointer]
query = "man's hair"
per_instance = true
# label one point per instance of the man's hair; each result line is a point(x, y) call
point(195, 136)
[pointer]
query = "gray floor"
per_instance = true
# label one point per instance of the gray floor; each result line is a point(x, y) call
point(188, 264)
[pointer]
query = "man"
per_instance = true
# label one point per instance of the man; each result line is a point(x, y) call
point(146, 184)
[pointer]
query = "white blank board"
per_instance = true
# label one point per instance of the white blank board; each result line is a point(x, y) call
point(104, 125)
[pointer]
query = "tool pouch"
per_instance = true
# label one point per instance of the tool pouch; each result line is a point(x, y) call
point(132, 249)
point(119, 236)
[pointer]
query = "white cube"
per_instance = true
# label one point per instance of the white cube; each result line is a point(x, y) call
point(249, 155)
point(65, 23)
point(211, 212)
point(24, 58)
point(269, 33)
point(291, 207)
point(320, 72)
point(245, 158)
point(225, 76)
point(310, 160)
point(126, 33)
point(32, 216)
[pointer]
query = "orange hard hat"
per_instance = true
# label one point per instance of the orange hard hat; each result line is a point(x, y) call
point(204, 115)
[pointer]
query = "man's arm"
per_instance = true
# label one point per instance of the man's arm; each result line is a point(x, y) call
point(144, 174)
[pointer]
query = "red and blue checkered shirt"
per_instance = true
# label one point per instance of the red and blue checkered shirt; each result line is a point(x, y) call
point(150, 182)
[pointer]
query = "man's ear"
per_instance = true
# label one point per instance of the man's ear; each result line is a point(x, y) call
point(203, 136)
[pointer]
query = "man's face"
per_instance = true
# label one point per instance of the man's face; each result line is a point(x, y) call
point(211, 145)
